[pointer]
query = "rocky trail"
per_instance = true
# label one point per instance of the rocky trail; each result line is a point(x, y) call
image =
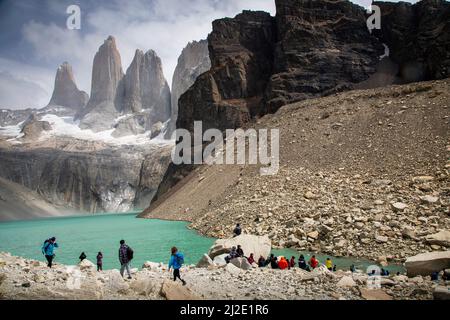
point(30, 279)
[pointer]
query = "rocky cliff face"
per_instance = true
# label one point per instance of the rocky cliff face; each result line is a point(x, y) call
point(418, 37)
point(107, 73)
point(311, 48)
point(65, 92)
point(229, 94)
point(193, 61)
point(86, 176)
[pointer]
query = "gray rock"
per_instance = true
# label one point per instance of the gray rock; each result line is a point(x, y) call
point(441, 293)
point(426, 263)
point(66, 92)
point(205, 262)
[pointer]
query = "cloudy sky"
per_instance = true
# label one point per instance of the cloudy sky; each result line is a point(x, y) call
point(34, 39)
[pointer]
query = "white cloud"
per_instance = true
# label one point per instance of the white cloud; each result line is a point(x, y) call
point(19, 93)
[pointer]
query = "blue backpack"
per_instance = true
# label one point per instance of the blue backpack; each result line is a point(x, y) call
point(180, 258)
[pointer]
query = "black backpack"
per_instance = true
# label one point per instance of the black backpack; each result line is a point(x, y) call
point(130, 253)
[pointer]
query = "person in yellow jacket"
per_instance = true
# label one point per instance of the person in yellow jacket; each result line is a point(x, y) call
point(329, 264)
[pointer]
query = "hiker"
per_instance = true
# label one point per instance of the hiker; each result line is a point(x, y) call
point(47, 250)
point(251, 259)
point(239, 251)
point(82, 256)
point(100, 261)
point(233, 254)
point(292, 262)
point(262, 262)
point(329, 264)
point(273, 262)
point(176, 261)
point(313, 262)
point(334, 268)
point(302, 263)
point(237, 231)
point(125, 257)
point(352, 268)
point(283, 264)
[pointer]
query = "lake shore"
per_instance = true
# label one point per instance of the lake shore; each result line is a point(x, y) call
point(22, 278)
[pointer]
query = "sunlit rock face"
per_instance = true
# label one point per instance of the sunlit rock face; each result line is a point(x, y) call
point(193, 61)
point(66, 92)
point(101, 110)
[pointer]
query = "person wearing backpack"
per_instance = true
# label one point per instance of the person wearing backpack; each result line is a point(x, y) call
point(48, 250)
point(176, 261)
point(125, 257)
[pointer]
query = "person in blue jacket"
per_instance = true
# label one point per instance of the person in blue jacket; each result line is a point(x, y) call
point(48, 250)
point(176, 261)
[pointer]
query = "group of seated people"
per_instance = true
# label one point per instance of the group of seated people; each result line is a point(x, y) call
point(281, 263)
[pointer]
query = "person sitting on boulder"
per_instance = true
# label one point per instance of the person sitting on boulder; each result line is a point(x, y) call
point(292, 262)
point(273, 262)
point(251, 259)
point(283, 264)
point(233, 254)
point(261, 262)
point(237, 230)
point(302, 263)
point(239, 251)
point(82, 256)
point(100, 261)
point(313, 262)
point(176, 261)
point(329, 264)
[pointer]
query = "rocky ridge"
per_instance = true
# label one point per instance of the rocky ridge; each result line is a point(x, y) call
point(365, 175)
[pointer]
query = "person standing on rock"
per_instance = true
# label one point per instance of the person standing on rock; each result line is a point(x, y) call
point(237, 231)
point(100, 261)
point(48, 250)
point(125, 257)
point(176, 261)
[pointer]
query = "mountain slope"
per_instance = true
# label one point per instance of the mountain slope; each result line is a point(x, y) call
point(345, 160)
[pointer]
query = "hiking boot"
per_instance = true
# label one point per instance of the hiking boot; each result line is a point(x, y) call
point(184, 282)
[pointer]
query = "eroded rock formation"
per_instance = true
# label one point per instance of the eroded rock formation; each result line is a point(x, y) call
point(66, 92)
point(193, 61)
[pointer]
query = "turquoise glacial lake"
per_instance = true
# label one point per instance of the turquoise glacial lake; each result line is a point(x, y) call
point(150, 239)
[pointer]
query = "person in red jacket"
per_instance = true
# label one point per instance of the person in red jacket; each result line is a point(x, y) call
point(283, 264)
point(313, 262)
point(251, 259)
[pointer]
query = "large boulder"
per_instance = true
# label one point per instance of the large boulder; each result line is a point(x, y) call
point(86, 265)
point(441, 238)
point(441, 293)
point(426, 263)
point(258, 245)
point(220, 259)
point(172, 290)
point(241, 263)
point(374, 294)
point(205, 262)
point(115, 282)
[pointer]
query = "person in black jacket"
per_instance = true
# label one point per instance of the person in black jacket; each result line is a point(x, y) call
point(82, 256)
point(237, 231)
